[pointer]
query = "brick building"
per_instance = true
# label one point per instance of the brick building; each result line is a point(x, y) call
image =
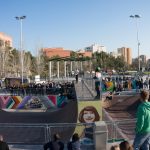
point(58, 51)
point(86, 54)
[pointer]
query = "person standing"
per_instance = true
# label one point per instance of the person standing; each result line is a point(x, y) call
point(3, 145)
point(77, 75)
point(142, 138)
point(97, 83)
point(1, 83)
point(149, 84)
point(56, 144)
point(75, 143)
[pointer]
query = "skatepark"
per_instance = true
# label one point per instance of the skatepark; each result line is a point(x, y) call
point(59, 115)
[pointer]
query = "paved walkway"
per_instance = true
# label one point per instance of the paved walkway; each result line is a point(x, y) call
point(40, 147)
point(83, 91)
point(26, 147)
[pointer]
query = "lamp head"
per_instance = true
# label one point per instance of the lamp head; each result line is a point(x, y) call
point(17, 18)
point(23, 17)
point(131, 16)
point(137, 16)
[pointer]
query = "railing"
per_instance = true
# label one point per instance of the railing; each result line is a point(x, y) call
point(35, 91)
point(90, 82)
point(84, 91)
point(24, 133)
point(41, 133)
point(19, 133)
point(121, 129)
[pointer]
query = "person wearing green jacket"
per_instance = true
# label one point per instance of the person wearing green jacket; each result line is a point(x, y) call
point(142, 138)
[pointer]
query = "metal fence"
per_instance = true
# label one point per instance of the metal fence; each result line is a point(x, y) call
point(121, 129)
point(41, 133)
point(24, 133)
point(19, 133)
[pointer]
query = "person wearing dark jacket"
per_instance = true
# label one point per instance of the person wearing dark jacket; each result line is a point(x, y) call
point(56, 144)
point(3, 145)
point(142, 138)
point(75, 143)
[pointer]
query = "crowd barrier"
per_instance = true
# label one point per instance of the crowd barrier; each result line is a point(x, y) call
point(41, 133)
point(122, 129)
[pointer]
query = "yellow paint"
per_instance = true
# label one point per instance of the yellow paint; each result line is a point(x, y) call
point(83, 104)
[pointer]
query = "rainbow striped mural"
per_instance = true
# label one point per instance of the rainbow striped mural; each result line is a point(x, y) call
point(18, 102)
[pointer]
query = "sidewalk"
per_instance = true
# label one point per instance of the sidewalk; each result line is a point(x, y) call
point(26, 147)
point(40, 147)
point(83, 92)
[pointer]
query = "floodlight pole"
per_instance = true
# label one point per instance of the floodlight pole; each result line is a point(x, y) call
point(21, 45)
point(136, 17)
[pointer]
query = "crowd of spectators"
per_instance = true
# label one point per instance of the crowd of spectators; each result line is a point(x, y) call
point(50, 88)
point(126, 83)
point(57, 144)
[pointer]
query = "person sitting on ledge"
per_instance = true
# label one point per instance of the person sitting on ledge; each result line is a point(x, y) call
point(109, 96)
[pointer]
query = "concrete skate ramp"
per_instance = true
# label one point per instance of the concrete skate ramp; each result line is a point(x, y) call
point(122, 108)
point(67, 114)
point(121, 102)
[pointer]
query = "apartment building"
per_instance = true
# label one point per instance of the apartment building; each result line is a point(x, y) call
point(143, 58)
point(85, 53)
point(148, 64)
point(114, 54)
point(5, 40)
point(126, 53)
point(95, 48)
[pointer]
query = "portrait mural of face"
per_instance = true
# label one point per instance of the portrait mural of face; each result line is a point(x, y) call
point(89, 114)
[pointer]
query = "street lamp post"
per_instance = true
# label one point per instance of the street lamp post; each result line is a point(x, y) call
point(21, 46)
point(136, 17)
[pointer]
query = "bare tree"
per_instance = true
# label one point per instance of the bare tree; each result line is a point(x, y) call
point(4, 59)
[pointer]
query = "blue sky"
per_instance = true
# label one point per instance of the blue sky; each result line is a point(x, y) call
point(75, 24)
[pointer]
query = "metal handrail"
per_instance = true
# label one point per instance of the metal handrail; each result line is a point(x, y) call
point(115, 132)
